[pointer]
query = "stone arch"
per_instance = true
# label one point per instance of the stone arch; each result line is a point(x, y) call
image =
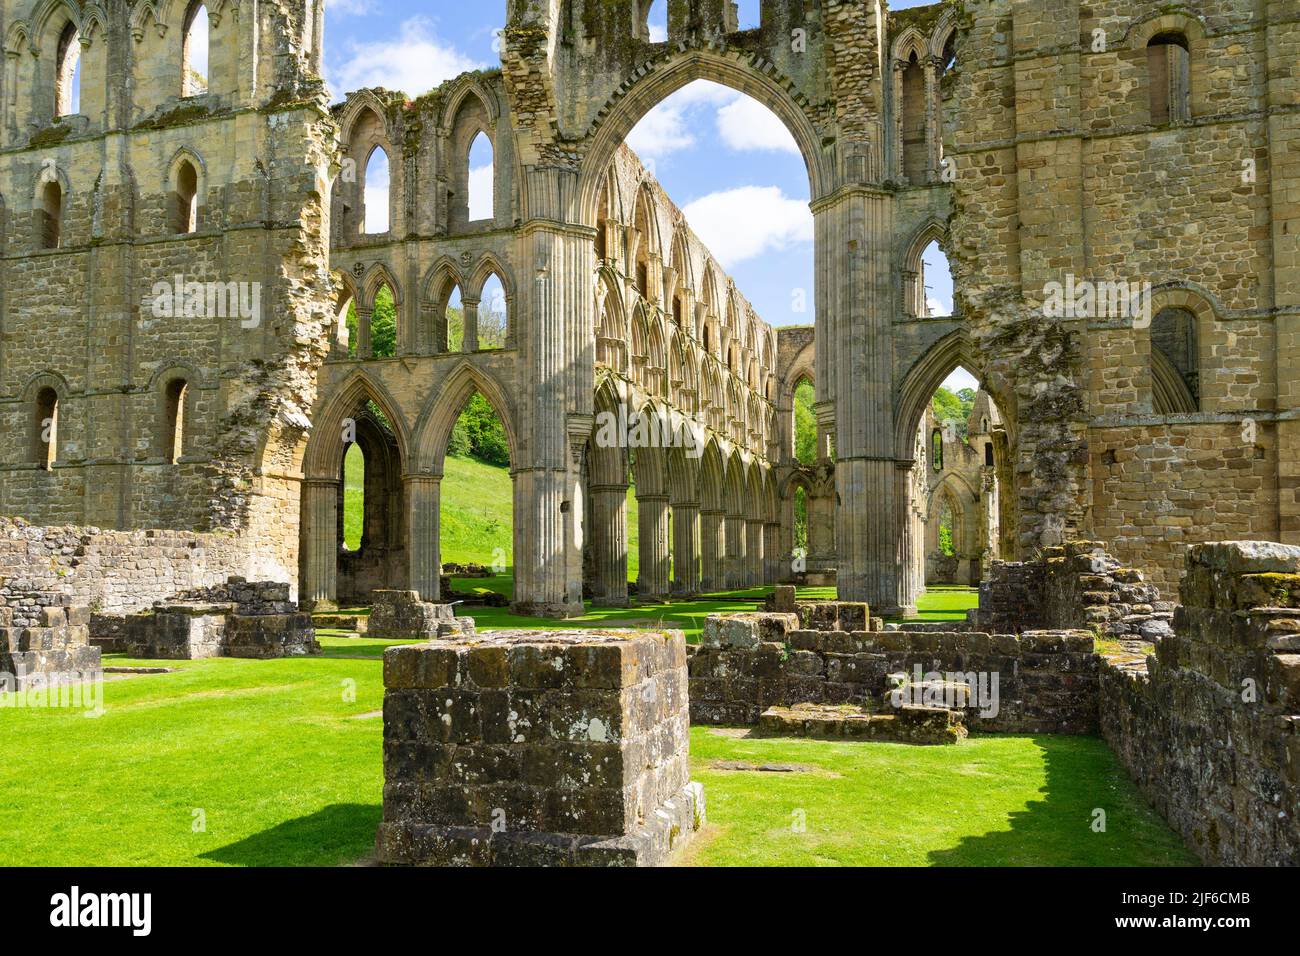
point(909, 258)
point(713, 477)
point(187, 209)
point(471, 114)
point(924, 378)
point(674, 70)
point(378, 276)
point(910, 42)
point(324, 455)
point(612, 341)
point(433, 428)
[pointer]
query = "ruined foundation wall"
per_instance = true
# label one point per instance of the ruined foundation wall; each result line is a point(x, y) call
point(1209, 726)
point(110, 571)
point(1046, 680)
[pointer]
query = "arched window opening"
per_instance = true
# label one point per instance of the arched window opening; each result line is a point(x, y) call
point(476, 517)
point(185, 199)
point(913, 111)
point(651, 26)
point(50, 216)
point(1175, 363)
point(949, 59)
point(800, 522)
point(677, 310)
point(354, 496)
point(67, 83)
point(174, 423)
point(805, 423)
point(47, 427)
point(455, 319)
point(481, 179)
point(947, 528)
point(1169, 76)
point(988, 454)
point(936, 449)
point(194, 55)
point(493, 315)
point(375, 193)
point(935, 280)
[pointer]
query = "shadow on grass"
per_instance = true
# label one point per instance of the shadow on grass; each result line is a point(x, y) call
point(338, 834)
point(1061, 829)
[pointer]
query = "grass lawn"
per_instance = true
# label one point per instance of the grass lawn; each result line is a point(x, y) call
point(947, 603)
point(282, 759)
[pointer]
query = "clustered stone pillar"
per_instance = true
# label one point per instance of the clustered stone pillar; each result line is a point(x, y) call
point(686, 549)
point(772, 554)
point(735, 552)
point(713, 575)
point(609, 544)
point(319, 585)
point(652, 515)
point(423, 504)
point(753, 552)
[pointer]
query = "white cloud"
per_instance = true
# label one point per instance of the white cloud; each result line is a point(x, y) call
point(746, 124)
point(480, 193)
point(376, 208)
point(937, 308)
point(414, 63)
point(670, 127)
point(658, 32)
point(739, 224)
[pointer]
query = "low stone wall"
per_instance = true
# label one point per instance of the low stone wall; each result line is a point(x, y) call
point(1042, 681)
point(1073, 586)
point(1209, 726)
point(537, 748)
point(56, 649)
point(113, 572)
point(402, 615)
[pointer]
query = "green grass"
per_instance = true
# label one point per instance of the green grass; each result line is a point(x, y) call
point(992, 800)
point(477, 511)
point(284, 760)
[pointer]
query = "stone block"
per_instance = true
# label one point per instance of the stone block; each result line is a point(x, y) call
point(538, 748)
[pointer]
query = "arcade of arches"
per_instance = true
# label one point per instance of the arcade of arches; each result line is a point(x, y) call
point(394, 286)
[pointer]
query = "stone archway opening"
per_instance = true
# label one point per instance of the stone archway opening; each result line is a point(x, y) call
point(962, 491)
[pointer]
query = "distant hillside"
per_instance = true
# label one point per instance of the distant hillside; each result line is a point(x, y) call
point(477, 509)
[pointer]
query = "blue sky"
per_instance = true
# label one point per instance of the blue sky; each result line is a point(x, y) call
point(726, 160)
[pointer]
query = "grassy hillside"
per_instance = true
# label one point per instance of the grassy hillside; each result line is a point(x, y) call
point(477, 511)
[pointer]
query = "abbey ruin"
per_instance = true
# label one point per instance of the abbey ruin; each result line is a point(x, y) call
point(1117, 187)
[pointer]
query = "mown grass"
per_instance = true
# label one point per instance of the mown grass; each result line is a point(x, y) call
point(260, 763)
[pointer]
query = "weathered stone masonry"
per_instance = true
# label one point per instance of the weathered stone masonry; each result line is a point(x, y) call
point(1209, 726)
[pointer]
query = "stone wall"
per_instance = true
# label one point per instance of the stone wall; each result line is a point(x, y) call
point(537, 748)
point(746, 663)
point(112, 571)
point(55, 648)
point(1076, 585)
point(1209, 726)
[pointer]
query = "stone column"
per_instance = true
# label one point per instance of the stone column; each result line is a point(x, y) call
point(686, 549)
point(319, 585)
point(713, 576)
point(556, 385)
point(753, 552)
point(772, 554)
point(907, 584)
point(735, 554)
point(854, 333)
point(423, 545)
point(609, 544)
point(652, 515)
point(469, 338)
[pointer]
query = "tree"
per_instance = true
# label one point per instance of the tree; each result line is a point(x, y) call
point(953, 409)
point(805, 423)
point(383, 326)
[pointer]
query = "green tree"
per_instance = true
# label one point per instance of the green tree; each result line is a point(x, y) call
point(805, 423)
point(953, 408)
point(383, 326)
